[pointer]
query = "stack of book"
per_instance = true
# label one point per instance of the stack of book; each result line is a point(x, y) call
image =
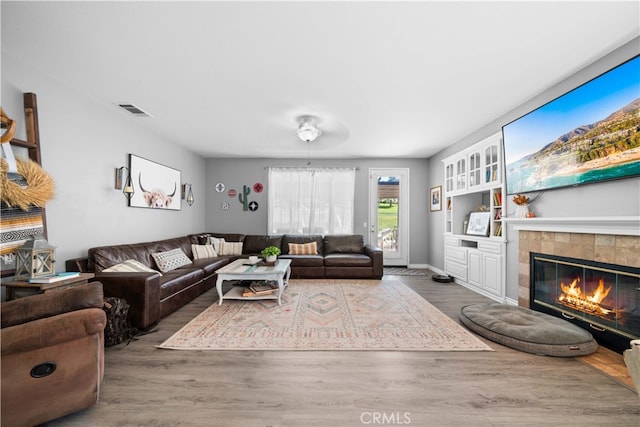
point(259, 289)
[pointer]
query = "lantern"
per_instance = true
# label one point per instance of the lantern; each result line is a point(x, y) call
point(35, 259)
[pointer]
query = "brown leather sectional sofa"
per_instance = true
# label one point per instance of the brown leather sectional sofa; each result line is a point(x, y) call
point(153, 296)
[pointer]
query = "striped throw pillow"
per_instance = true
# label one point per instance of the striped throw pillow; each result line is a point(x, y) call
point(170, 260)
point(303, 249)
point(230, 248)
point(130, 266)
point(203, 251)
point(216, 243)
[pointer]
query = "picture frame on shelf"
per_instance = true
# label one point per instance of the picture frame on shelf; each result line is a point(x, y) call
point(435, 198)
point(479, 224)
point(155, 186)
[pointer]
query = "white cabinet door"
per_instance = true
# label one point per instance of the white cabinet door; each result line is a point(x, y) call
point(459, 271)
point(492, 164)
point(493, 274)
point(461, 175)
point(474, 273)
point(475, 170)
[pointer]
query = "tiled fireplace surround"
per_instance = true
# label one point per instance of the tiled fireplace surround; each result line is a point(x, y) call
point(613, 240)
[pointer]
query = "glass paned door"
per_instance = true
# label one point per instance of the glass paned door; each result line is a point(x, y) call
point(388, 213)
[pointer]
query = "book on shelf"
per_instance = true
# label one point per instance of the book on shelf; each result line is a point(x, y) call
point(51, 278)
point(246, 292)
point(249, 292)
point(263, 288)
point(497, 198)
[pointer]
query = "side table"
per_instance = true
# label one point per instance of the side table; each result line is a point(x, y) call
point(43, 288)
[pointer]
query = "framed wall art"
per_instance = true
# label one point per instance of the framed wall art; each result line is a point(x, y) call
point(435, 198)
point(155, 186)
point(479, 223)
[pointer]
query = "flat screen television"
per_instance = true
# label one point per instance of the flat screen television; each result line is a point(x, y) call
point(587, 135)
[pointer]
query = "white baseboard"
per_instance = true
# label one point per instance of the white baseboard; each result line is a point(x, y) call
point(418, 266)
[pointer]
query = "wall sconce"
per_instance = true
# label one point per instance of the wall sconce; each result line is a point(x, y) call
point(188, 194)
point(127, 188)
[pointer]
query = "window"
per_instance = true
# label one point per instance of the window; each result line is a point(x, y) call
point(311, 200)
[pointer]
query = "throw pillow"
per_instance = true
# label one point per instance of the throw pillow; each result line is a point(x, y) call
point(170, 260)
point(203, 251)
point(215, 242)
point(303, 249)
point(230, 248)
point(130, 266)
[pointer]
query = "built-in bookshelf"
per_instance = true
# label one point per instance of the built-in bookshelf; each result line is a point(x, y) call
point(474, 182)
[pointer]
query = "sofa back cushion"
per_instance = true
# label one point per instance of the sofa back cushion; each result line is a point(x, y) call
point(229, 237)
point(254, 244)
point(107, 256)
point(344, 244)
point(302, 239)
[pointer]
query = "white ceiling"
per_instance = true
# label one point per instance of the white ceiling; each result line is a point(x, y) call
point(386, 79)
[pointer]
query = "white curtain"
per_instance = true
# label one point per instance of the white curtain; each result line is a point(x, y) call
point(311, 200)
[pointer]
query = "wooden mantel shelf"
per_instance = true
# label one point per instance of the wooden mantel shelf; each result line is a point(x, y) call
point(619, 225)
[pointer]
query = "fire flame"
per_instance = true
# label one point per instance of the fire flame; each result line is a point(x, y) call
point(573, 297)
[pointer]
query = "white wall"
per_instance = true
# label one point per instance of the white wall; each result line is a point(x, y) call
point(82, 141)
point(615, 198)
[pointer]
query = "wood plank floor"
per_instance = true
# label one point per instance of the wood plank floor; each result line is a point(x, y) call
point(145, 386)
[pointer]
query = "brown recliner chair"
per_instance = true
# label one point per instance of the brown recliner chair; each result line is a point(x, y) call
point(52, 354)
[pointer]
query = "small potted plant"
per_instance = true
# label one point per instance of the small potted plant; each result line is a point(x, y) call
point(270, 253)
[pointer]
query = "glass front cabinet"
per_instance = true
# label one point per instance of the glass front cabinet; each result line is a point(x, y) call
point(473, 182)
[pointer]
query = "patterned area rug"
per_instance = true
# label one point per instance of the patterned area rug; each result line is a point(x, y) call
point(328, 315)
point(402, 271)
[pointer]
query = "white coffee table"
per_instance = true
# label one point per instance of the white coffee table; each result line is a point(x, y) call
point(240, 270)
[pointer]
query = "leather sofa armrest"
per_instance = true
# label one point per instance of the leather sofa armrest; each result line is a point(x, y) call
point(77, 264)
point(53, 330)
point(140, 290)
point(377, 260)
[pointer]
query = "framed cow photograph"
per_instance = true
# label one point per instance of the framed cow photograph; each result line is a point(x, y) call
point(155, 186)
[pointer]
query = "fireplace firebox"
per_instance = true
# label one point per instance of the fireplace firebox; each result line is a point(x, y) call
point(602, 298)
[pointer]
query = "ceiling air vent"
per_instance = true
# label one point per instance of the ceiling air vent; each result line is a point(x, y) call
point(136, 111)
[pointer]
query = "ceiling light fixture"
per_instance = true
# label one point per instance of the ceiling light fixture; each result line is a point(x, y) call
point(307, 130)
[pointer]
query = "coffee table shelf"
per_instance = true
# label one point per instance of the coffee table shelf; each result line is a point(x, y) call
point(236, 293)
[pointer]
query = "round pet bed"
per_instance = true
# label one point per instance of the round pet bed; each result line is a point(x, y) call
point(528, 330)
